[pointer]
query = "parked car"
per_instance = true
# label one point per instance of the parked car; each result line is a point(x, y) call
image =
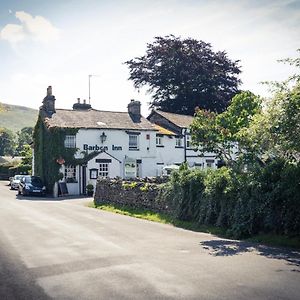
point(14, 182)
point(31, 185)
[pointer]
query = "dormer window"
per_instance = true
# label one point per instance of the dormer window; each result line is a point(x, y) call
point(70, 141)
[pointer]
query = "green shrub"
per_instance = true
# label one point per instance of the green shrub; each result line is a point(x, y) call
point(262, 200)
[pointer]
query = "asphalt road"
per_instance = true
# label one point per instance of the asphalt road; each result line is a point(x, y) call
point(61, 249)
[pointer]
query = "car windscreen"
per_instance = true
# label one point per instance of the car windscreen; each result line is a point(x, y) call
point(17, 177)
point(36, 181)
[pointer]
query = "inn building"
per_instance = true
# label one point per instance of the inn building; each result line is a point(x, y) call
point(92, 143)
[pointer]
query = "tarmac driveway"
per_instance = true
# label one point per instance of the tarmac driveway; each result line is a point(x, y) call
point(62, 249)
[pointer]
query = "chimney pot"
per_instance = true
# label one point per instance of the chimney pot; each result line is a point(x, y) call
point(78, 100)
point(134, 110)
point(84, 101)
point(49, 90)
point(49, 102)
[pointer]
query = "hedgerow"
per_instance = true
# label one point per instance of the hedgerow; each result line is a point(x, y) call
point(261, 200)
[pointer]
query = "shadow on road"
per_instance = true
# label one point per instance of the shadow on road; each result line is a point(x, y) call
point(231, 248)
point(50, 198)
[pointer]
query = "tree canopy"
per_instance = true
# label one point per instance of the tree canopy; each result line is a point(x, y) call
point(182, 74)
point(24, 138)
point(7, 142)
point(223, 133)
point(258, 129)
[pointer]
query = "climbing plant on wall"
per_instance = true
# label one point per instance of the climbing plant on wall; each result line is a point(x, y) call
point(48, 148)
point(50, 151)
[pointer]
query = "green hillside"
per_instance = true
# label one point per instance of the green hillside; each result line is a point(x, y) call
point(16, 117)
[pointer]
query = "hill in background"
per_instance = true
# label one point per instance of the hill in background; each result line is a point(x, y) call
point(15, 117)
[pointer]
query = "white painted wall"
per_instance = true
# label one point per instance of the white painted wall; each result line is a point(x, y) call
point(119, 138)
point(153, 158)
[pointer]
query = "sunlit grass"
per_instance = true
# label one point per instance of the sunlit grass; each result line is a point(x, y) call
point(157, 217)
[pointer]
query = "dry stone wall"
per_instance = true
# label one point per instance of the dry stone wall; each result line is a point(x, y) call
point(138, 193)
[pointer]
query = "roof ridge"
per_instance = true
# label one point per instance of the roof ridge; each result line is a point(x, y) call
point(69, 109)
point(167, 112)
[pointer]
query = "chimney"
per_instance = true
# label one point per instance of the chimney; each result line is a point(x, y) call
point(49, 102)
point(81, 106)
point(134, 110)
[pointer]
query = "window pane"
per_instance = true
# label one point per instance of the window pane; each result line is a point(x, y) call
point(103, 170)
point(133, 142)
point(70, 141)
point(70, 174)
point(178, 142)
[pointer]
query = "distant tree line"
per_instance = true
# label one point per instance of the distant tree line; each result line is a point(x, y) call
point(12, 144)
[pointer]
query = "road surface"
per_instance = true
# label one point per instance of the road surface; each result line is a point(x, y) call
point(61, 249)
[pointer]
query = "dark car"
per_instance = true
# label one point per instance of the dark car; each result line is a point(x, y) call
point(31, 185)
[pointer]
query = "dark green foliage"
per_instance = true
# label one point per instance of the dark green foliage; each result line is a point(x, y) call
point(261, 200)
point(185, 73)
point(24, 138)
point(48, 147)
point(7, 142)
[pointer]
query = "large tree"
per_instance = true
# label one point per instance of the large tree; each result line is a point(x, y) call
point(223, 133)
point(260, 131)
point(182, 74)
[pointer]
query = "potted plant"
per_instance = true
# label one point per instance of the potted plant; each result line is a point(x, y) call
point(90, 189)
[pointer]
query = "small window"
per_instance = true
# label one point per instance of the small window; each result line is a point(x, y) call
point(133, 142)
point(70, 141)
point(70, 174)
point(103, 170)
point(159, 141)
point(210, 163)
point(188, 141)
point(178, 142)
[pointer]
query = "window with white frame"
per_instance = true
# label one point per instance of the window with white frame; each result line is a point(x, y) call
point(133, 142)
point(70, 141)
point(70, 174)
point(188, 141)
point(103, 170)
point(159, 140)
point(209, 163)
point(178, 142)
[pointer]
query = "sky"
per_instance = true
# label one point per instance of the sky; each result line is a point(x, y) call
point(61, 42)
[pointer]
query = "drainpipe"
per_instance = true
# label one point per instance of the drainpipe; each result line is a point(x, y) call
point(184, 141)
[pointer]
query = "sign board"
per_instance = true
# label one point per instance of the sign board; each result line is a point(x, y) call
point(130, 168)
point(62, 189)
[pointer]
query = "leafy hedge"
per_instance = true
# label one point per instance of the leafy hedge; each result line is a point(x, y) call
point(261, 200)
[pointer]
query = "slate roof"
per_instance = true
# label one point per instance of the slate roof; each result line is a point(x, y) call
point(182, 121)
point(93, 118)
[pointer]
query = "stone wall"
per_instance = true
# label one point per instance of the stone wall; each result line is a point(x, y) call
point(138, 193)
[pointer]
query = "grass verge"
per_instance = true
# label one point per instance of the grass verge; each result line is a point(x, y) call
point(266, 239)
point(159, 218)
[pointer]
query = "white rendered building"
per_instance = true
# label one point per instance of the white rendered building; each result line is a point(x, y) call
point(115, 144)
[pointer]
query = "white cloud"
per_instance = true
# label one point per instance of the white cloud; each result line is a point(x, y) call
point(13, 33)
point(33, 28)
